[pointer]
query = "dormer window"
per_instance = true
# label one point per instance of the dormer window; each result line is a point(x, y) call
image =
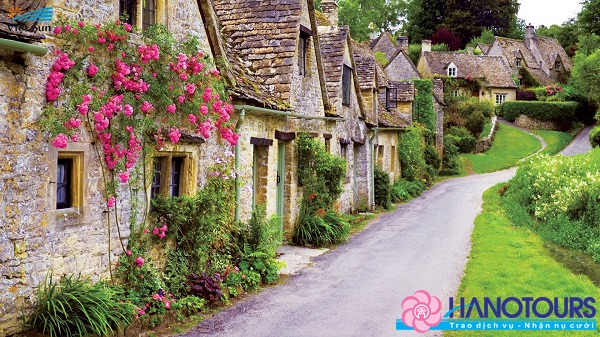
point(557, 65)
point(518, 62)
point(305, 35)
point(391, 95)
point(452, 71)
point(540, 64)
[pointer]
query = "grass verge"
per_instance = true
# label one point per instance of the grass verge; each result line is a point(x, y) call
point(512, 261)
point(510, 145)
point(555, 140)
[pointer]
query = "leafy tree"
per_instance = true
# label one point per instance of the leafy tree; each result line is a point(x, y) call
point(486, 37)
point(588, 17)
point(468, 18)
point(359, 14)
point(444, 36)
point(566, 34)
point(586, 75)
point(422, 24)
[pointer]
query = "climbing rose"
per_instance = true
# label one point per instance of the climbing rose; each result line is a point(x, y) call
point(92, 70)
point(174, 135)
point(128, 252)
point(421, 311)
point(124, 176)
point(60, 141)
point(139, 261)
point(171, 108)
point(110, 202)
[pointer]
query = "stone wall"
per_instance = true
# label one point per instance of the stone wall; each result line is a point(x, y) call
point(35, 238)
point(484, 144)
point(527, 122)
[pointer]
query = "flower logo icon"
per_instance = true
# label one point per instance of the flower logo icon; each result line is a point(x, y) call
point(421, 311)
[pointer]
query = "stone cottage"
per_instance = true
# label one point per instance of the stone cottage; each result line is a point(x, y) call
point(384, 43)
point(485, 77)
point(543, 58)
point(43, 229)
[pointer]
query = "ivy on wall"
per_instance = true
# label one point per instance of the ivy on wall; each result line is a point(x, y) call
point(423, 110)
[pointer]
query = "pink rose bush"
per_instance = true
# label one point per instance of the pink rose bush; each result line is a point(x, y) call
point(421, 311)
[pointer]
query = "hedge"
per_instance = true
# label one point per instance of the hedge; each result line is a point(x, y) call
point(595, 136)
point(544, 111)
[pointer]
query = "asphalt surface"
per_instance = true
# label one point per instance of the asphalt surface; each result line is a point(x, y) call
point(357, 289)
point(581, 143)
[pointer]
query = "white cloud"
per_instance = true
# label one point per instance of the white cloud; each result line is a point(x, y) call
point(548, 12)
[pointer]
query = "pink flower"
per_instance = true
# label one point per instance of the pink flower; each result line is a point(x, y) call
point(74, 31)
point(80, 24)
point(67, 28)
point(110, 46)
point(167, 304)
point(181, 99)
point(163, 228)
point(421, 311)
point(124, 176)
point(174, 135)
point(75, 137)
point(156, 297)
point(161, 235)
point(60, 141)
point(192, 118)
point(128, 110)
point(146, 107)
point(57, 30)
point(171, 108)
point(127, 27)
point(190, 88)
point(139, 261)
point(128, 252)
point(155, 231)
point(92, 69)
point(146, 231)
point(91, 49)
point(111, 202)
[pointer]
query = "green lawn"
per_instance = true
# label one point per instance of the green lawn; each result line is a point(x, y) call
point(510, 145)
point(555, 140)
point(512, 261)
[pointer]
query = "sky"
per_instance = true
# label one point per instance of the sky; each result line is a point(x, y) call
point(548, 12)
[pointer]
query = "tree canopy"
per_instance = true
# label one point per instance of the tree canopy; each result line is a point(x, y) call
point(380, 15)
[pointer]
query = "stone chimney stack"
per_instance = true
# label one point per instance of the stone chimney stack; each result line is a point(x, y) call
point(330, 9)
point(470, 50)
point(425, 46)
point(402, 43)
point(529, 35)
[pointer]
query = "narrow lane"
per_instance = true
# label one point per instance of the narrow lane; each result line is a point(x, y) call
point(581, 143)
point(357, 289)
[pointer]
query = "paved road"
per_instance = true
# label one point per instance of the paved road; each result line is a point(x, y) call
point(581, 143)
point(357, 289)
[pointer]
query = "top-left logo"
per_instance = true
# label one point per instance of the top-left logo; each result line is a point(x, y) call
point(38, 15)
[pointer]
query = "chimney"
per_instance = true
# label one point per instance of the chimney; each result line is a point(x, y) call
point(529, 35)
point(470, 50)
point(425, 46)
point(402, 42)
point(330, 9)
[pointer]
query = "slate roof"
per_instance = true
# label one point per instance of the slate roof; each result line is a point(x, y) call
point(484, 47)
point(489, 68)
point(385, 44)
point(403, 67)
point(260, 39)
point(550, 50)
point(332, 41)
point(512, 48)
point(365, 65)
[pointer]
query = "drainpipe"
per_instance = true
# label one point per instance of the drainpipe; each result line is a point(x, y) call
point(22, 47)
point(238, 127)
point(372, 145)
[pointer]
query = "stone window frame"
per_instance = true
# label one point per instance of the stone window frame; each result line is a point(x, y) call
point(500, 98)
point(452, 71)
point(76, 153)
point(518, 62)
point(391, 98)
point(186, 180)
point(138, 9)
point(557, 65)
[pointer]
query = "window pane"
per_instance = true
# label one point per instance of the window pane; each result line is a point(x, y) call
point(174, 184)
point(149, 16)
point(302, 56)
point(157, 170)
point(346, 81)
point(127, 8)
point(63, 183)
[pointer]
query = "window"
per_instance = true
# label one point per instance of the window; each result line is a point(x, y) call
point(346, 84)
point(343, 150)
point(393, 159)
point(391, 95)
point(148, 13)
point(168, 176)
point(520, 81)
point(557, 65)
point(305, 35)
point(127, 11)
point(540, 64)
point(380, 150)
point(64, 173)
point(454, 93)
point(452, 71)
point(518, 62)
point(69, 168)
point(500, 98)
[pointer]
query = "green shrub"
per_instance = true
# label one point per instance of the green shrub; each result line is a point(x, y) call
point(405, 189)
point(562, 112)
point(466, 142)
point(399, 193)
point(432, 158)
point(411, 150)
point(382, 189)
point(320, 231)
point(475, 114)
point(450, 161)
point(76, 307)
point(424, 111)
point(595, 136)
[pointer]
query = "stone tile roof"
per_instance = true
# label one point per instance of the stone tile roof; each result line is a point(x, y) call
point(384, 44)
point(365, 65)
point(551, 50)
point(400, 67)
point(392, 118)
point(406, 90)
point(260, 39)
point(333, 42)
point(511, 49)
point(489, 68)
point(484, 47)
